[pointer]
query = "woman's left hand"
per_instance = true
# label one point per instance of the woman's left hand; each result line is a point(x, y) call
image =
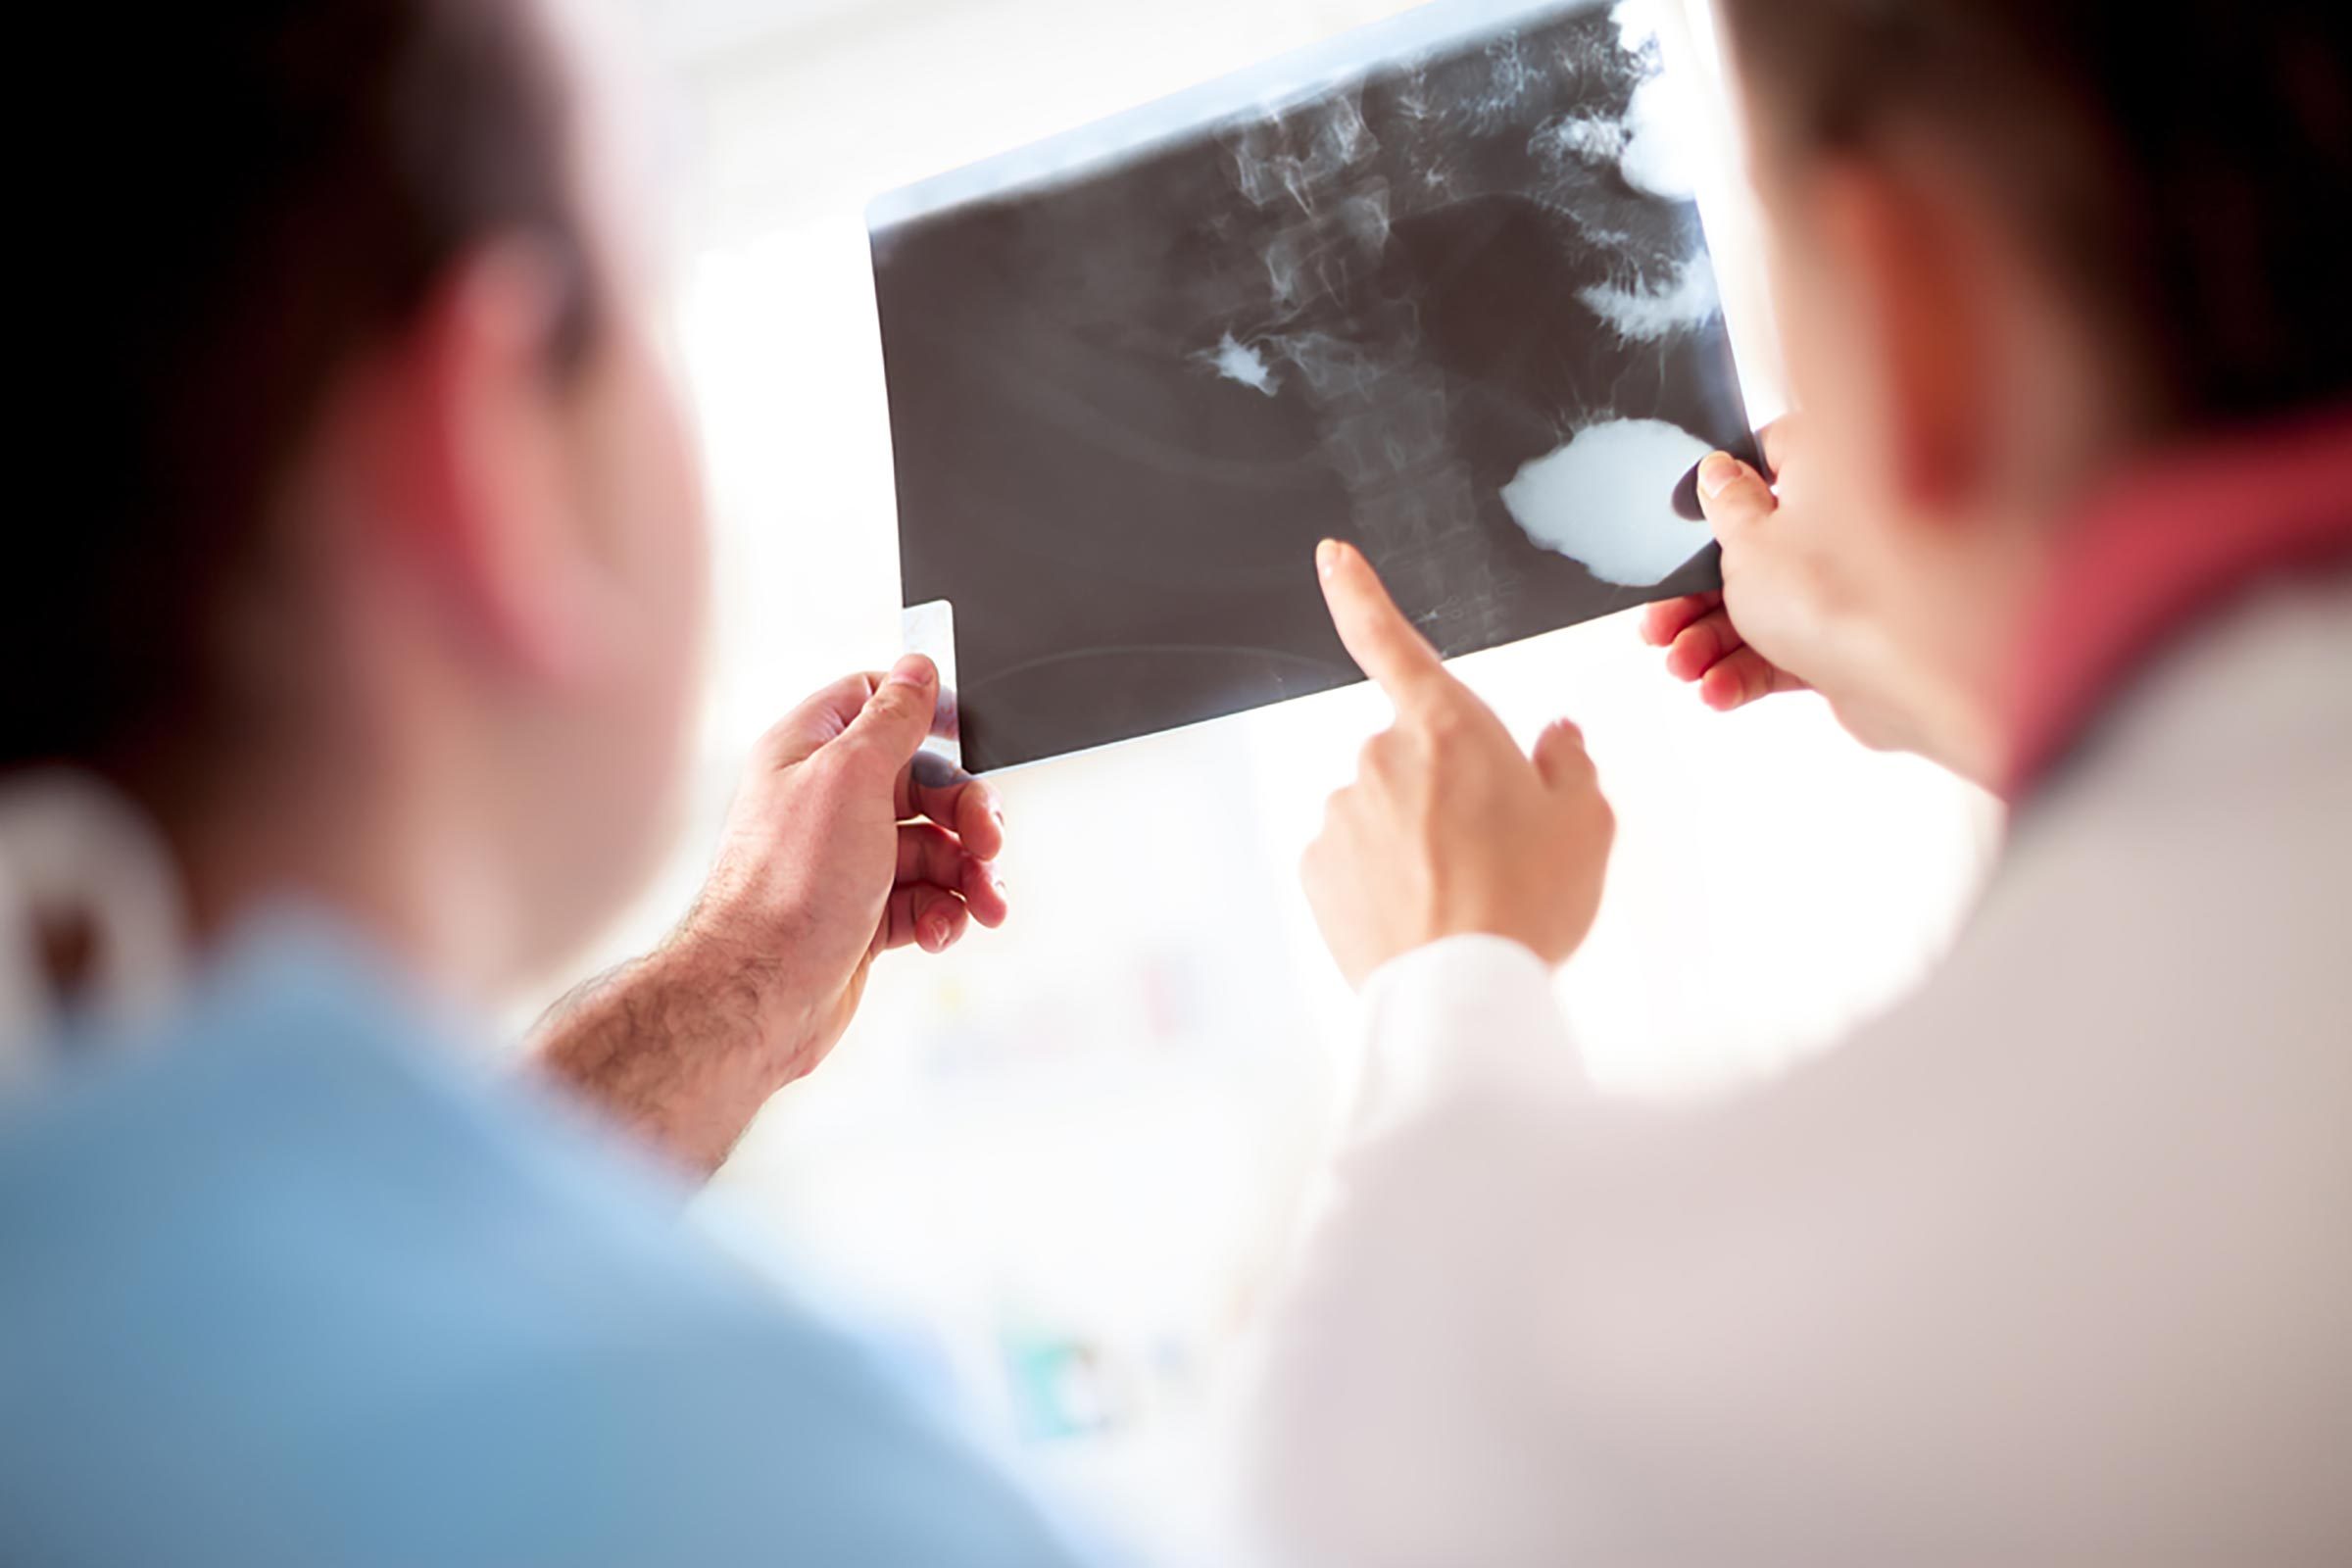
point(1449, 829)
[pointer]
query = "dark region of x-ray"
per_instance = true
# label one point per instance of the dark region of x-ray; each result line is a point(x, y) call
point(1439, 288)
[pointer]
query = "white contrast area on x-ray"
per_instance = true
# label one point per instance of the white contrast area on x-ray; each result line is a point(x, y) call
point(1652, 144)
point(1643, 312)
point(1600, 501)
point(1245, 363)
point(1640, 27)
point(1595, 138)
point(1659, 158)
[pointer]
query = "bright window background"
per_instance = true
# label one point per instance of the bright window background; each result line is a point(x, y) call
point(1065, 1156)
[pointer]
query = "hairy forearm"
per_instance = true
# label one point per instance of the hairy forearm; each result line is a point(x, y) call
point(680, 1046)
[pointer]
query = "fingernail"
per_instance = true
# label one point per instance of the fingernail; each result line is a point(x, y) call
point(1718, 473)
point(1327, 557)
point(913, 670)
point(935, 936)
point(935, 772)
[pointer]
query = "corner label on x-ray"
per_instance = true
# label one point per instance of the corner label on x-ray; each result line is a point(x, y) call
point(929, 629)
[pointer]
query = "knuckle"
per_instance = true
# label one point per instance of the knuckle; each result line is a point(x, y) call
point(896, 702)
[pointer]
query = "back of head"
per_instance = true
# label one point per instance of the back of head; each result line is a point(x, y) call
point(2183, 167)
point(272, 189)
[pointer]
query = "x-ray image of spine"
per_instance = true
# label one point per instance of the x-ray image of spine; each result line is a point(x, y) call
point(1443, 291)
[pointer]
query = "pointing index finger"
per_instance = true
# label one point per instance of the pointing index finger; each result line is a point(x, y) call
point(1384, 644)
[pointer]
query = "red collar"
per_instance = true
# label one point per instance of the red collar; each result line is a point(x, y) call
point(2170, 546)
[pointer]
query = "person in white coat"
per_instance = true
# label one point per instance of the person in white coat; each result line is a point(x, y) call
point(2053, 1263)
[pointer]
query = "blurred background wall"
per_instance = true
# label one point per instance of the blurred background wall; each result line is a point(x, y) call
point(1062, 1159)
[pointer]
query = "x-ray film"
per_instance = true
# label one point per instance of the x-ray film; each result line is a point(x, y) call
point(1439, 288)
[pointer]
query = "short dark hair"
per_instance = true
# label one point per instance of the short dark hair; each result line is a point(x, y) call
point(272, 187)
point(2184, 164)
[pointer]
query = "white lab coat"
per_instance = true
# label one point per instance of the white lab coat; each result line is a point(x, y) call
point(2051, 1266)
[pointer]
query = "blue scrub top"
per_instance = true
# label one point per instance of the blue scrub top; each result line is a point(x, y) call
point(292, 1281)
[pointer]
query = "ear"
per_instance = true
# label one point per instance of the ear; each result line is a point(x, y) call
point(1902, 240)
point(463, 441)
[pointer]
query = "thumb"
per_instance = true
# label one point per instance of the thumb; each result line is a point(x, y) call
point(1560, 756)
point(894, 720)
point(1733, 495)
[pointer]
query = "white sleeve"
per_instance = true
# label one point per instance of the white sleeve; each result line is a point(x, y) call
point(1469, 1015)
point(1383, 1423)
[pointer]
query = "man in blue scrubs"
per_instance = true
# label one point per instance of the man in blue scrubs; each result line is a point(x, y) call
point(347, 690)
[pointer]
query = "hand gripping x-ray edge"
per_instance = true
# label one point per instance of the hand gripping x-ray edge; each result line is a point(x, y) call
point(929, 629)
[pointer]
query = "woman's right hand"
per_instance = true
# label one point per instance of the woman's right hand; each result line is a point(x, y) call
point(1786, 621)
